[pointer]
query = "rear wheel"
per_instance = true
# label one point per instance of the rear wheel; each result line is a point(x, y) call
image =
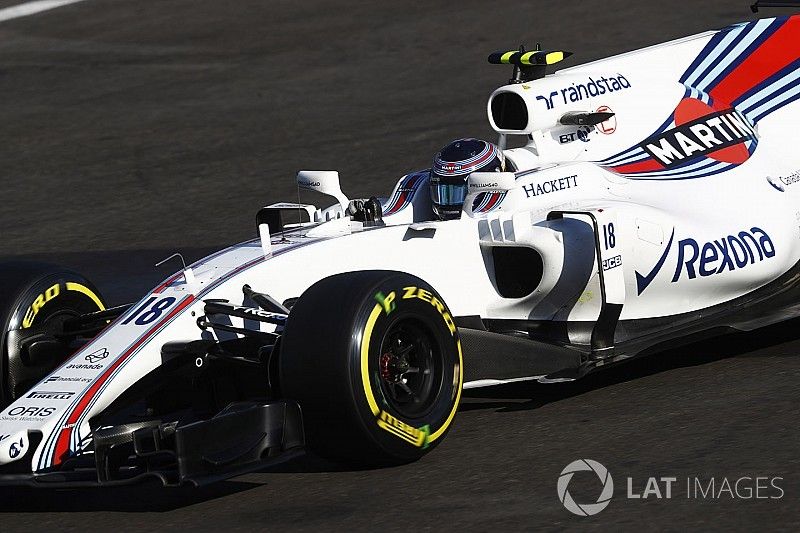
point(374, 360)
point(35, 300)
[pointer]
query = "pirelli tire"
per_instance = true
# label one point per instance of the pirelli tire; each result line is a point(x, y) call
point(374, 359)
point(35, 299)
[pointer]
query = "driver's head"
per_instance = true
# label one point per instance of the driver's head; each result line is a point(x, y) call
point(452, 165)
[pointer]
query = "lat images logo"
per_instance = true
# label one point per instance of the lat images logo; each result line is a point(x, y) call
point(585, 509)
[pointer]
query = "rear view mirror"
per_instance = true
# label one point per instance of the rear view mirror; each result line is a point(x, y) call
point(479, 182)
point(323, 181)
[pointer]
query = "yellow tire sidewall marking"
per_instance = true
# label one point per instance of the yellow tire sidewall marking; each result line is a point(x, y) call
point(373, 317)
point(46, 296)
point(365, 381)
point(86, 291)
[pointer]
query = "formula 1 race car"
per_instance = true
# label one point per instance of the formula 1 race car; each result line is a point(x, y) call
point(657, 201)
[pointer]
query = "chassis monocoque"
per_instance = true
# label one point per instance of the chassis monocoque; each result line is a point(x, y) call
point(656, 201)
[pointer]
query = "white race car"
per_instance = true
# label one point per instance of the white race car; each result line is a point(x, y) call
point(656, 200)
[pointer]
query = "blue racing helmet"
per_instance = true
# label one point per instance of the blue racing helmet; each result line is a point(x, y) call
point(452, 165)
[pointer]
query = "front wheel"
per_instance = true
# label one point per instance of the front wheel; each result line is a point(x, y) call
point(35, 300)
point(374, 360)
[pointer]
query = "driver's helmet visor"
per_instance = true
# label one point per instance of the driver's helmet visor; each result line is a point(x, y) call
point(448, 190)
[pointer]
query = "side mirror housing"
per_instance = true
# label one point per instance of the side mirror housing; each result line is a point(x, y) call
point(479, 182)
point(495, 184)
point(323, 181)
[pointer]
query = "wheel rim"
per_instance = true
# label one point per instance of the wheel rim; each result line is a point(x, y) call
point(410, 368)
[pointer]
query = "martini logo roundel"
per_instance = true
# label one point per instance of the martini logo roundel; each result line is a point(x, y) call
point(702, 131)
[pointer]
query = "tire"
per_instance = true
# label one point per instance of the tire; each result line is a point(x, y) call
point(35, 299)
point(349, 341)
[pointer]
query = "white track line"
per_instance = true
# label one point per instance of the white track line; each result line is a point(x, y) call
point(31, 8)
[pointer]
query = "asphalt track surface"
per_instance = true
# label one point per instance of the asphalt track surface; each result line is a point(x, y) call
point(133, 129)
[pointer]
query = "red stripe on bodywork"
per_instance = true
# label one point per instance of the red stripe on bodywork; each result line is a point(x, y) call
point(161, 288)
point(408, 183)
point(648, 165)
point(412, 181)
point(492, 202)
point(398, 204)
point(777, 52)
point(62, 444)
